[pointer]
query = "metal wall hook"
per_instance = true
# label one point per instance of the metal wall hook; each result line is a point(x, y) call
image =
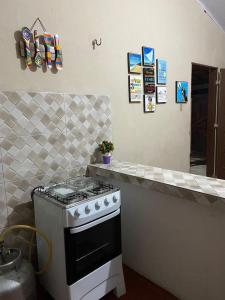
point(96, 43)
point(41, 23)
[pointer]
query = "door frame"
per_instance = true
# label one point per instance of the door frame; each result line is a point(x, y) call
point(220, 126)
point(212, 118)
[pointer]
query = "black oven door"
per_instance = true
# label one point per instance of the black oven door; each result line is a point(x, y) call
point(91, 245)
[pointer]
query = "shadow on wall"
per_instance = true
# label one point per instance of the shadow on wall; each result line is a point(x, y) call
point(22, 214)
point(96, 157)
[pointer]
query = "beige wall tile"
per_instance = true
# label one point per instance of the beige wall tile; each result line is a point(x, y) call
point(33, 155)
point(18, 196)
point(31, 113)
point(71, 126)
point(88, 122)
point(3, 207)
point(1, 167)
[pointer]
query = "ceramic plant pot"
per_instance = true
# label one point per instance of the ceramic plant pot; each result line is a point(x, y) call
point(106, 158)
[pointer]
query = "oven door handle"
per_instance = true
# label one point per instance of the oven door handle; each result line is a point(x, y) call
point(94, 223)
point(92, 252)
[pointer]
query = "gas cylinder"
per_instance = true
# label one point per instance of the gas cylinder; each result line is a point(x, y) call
point(17, 279)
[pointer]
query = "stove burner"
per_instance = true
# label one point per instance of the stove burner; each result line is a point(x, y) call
point(66, 198)
point(75, 190)
point(100, 189)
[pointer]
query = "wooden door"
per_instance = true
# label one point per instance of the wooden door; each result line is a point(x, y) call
point(211, 133)
point(220, 159)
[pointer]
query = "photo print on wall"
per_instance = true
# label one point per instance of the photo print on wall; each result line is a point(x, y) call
point(135, 88)
point(161, 71)
point(148, 56)
point(161, 93)
point(149, 80)
point(181, 91)
point(149, 103)
point(134, 63)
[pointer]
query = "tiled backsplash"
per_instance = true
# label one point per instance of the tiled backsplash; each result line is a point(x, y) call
point(45, 137)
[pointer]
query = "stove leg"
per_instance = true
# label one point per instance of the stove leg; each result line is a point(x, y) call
point(120, 289)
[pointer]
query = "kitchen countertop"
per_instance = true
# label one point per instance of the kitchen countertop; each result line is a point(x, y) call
point(200, 189)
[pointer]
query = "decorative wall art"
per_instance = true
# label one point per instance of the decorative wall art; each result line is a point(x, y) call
point(161, 71)
point(40, 50)
point(134, 63)
point(135, 88)
point(149, 103)
point(144, 87)
point(148, 56)
point(181, 91)
point(161, 94)
point(149, 80)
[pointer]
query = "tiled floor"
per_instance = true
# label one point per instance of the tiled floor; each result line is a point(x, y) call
point(138, 288)
point(198, 170)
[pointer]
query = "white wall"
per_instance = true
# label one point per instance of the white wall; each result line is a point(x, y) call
point(176, 243)
point(180, 32)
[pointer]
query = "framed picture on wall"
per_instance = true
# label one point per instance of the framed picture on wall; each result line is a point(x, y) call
point(161, 66)
point(135, 88)
point(134, 63)
point(149, 103)
point(181, 91)
point(149, 80)
point(161, 93)
point(148, 56)
point(149, 89)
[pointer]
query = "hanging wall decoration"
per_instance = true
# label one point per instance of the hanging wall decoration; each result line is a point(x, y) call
point(149, 80)
point(135, 88)
point(161, 93)
point(41, 49)
point(161, 71)
point(134, 63)
point(181, 91)
point(149, 103)
point(148, 56)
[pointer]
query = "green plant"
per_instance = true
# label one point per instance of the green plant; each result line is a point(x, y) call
point(106, 147)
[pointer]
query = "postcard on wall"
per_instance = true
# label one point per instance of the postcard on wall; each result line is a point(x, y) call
point(149, 80)
point(149, 103)
point(161, 71)
point(134, 63)
point(161, 94)
point(148, 56)
point(149, 88)
point(149, 72)
point(135, 88)
point(181, 91)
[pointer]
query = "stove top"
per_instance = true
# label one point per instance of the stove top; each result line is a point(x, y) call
point(76, 190)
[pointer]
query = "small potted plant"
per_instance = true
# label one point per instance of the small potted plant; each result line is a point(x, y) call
point(106, 148)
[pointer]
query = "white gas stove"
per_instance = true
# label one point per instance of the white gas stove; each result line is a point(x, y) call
point(82, 219)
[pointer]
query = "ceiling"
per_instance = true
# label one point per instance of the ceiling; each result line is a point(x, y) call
point(216, 10)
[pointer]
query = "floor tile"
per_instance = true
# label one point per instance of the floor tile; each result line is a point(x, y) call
point(139, 288)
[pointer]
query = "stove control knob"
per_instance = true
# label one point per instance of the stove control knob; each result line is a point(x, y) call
point(97, 206)
point(106, 201)
point(87, 209)
point(115, 199)
point(77, 213)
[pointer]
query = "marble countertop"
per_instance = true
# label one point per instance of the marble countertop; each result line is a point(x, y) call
point(201, 189)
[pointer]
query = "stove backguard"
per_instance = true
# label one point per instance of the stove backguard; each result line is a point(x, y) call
point(91, 248)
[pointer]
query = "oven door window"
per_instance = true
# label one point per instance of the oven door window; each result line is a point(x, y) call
point(89, 249)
